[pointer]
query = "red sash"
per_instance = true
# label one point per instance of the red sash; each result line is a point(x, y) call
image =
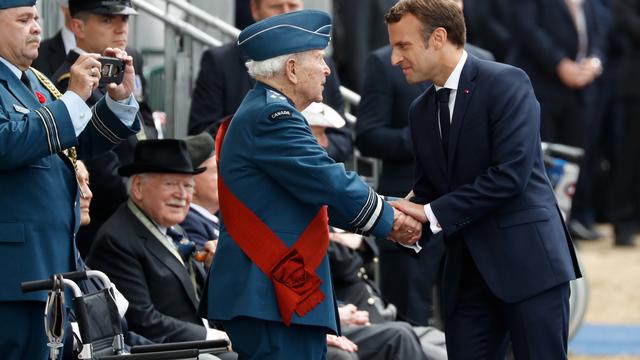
point(291, 270)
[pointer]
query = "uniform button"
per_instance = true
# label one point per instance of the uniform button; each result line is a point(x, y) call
point(375, 259)
point(365, 276)
point(371, 301)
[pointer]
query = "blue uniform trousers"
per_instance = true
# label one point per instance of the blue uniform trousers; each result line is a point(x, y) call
point(259, 339)
point(23, 336)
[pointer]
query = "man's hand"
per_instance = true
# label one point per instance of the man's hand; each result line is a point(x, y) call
point(350, 315)
point(85, 75)
point(341, 342)
point(575, 75)
point(125, 89)
point(210, 248)
point(406, 230)
point(414, 210)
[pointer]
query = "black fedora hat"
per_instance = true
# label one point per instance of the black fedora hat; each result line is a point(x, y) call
point(160, 156)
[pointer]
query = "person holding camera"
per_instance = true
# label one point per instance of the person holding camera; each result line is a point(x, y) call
point(97, 25)
point(39, 130)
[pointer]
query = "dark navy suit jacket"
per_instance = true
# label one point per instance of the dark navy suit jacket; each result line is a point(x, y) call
point(199, 228)
point(544, 33)
point(223, 82)
point(493, 192)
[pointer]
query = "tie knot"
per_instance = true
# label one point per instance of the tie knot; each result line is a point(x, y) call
point(183, 245)
point(174, 234)
point(443, 95)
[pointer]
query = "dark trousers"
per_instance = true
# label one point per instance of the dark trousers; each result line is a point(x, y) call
point(259, 339)
point(625, 195)
point(481, 325)
point(22, 335)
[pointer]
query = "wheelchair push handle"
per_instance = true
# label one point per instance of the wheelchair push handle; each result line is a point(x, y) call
point(38, 285)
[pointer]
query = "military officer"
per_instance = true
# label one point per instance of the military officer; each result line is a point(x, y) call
point(269, 282)
point(39, 128)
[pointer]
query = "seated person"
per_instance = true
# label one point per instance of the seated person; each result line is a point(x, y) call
point(202, 223)
point(87, 286)
point(365, 306)
point(137, 250)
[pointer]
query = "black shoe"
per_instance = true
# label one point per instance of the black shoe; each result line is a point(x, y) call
point(580, 231)
point(624, 234)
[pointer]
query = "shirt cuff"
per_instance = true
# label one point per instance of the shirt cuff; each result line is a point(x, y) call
point(125, 110)
point(415, 247)
point(79, 111)
point(434, 225)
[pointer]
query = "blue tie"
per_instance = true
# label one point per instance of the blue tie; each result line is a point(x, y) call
point(445, 123)
point(184, 246)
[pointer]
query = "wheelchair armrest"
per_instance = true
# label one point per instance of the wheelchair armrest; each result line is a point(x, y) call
point(166, 355)
point(203, 346)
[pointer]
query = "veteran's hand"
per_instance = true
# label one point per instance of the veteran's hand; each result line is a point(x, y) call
point(125, 89)
point(85, 75)
point(210, 247)
point(406, 230)
point(341, 342)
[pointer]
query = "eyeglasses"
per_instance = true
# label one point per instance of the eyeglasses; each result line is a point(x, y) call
point(175, 185)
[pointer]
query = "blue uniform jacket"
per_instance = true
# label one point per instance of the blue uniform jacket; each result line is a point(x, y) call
point(39, 208)
point(272, 163)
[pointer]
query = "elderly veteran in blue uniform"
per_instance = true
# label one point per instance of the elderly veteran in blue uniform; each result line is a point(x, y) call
point(270, 283)
point(39, 207)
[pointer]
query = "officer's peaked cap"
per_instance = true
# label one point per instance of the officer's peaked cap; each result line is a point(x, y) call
point(7, 4)
point(103, 7)
point(288, 33)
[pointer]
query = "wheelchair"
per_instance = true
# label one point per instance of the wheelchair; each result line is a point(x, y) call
point(100, 330)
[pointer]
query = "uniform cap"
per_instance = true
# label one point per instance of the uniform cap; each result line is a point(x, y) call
point(105, 7)
point(288, 33)
point(7, 4)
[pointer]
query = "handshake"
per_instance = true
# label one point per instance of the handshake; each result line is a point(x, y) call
point(407, 221)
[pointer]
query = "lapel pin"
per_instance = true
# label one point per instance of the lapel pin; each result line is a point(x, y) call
point(466, 91)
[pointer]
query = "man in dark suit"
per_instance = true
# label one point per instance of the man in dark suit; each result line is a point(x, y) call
point(625, 199)
point(223, 82)
point(97, 24)
point(382, 132)
point(138, 246)
point(482, 186)
point(39, 130)
point(54, 50)
point(560, 44)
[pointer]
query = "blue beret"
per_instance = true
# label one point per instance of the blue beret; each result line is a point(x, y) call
point(288, 33)
point(7, 4)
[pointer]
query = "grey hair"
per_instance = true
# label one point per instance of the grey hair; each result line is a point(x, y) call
point(130, 181)
point(270, 67)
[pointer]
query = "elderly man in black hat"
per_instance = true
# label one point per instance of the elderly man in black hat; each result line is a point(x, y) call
point(139, 246)
point(39, 130)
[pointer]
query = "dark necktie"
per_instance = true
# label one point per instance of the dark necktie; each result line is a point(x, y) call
point(185, 247)
point(25, 80)
point(443, 106)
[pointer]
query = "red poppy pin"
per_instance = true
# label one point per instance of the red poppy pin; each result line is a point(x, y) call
point(466, 91)
point(40, 97)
